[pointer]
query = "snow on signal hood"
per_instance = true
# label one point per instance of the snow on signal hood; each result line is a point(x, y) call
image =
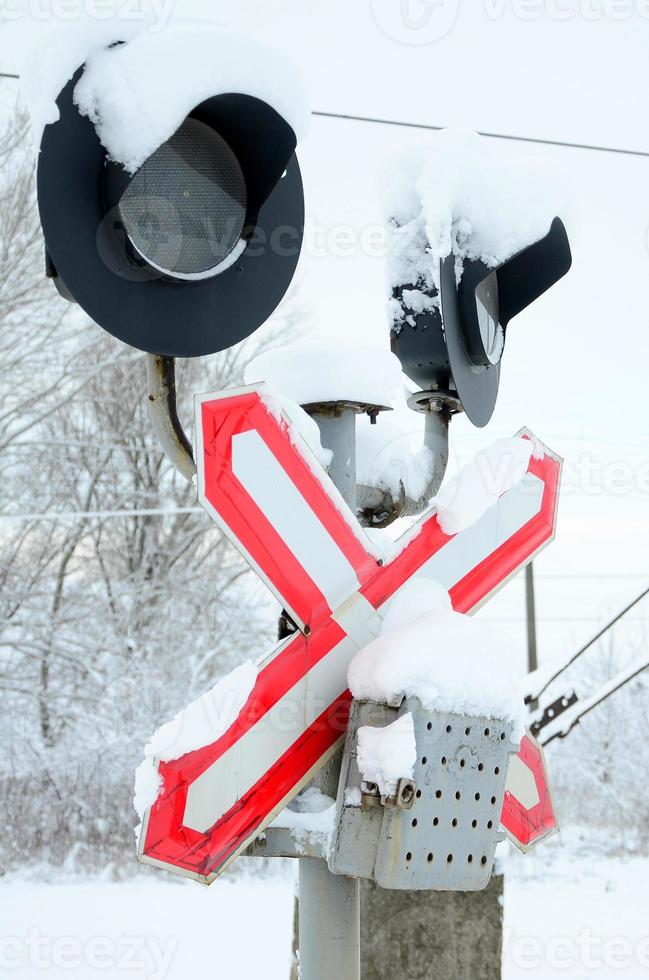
point(138, 93)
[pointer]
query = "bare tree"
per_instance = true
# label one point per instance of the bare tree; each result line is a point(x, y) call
point(121, 601)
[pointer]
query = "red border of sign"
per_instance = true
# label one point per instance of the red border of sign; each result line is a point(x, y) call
point(526, 828)
point(233, 508)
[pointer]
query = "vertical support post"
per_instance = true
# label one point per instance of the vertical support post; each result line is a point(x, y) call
point(432, 935)
point(337, 424)
point(329, 905)
point(532, 656)
point(330, 923)
point(530, 605)
point(440, 935)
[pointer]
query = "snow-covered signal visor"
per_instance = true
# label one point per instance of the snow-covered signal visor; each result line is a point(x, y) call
point(459, 344)
point(192, 252)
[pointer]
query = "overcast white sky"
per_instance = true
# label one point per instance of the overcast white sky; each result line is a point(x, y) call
point(575, 367)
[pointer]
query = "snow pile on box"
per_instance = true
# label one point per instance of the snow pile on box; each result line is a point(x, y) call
point(315, 372)
point(450, 661)
point(200, 723)
point(466, 497)
point(138, 93)
point(386, 755)
point(458, 194)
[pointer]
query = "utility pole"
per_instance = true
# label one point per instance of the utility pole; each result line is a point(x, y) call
point(530, 605)
point(329, 912)
point(431, 935)
point(415, 935)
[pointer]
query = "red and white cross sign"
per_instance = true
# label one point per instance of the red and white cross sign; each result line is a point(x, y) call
point(260, 482)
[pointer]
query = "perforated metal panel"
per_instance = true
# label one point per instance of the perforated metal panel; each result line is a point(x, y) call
point(446, 840)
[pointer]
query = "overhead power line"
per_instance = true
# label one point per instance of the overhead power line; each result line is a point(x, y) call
point(606, 576)
point(564, 724)
point(571, 620)
point(87, 515)
point(404, 124)
point(496, 136)
point(536, 694)
point(559, 718)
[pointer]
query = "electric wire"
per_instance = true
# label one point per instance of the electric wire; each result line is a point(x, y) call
point(430, 127)
point(587, 646)
point(596, 702)
point(376, 120)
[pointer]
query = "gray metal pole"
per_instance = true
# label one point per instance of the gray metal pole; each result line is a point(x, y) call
point(426, 935)
point(330, 924)
point(337, 424)
point(530, 605)
point(401, 931)
point(532, 655)
point(329, 905)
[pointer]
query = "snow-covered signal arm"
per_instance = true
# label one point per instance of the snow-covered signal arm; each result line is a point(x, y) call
point(261, 483)
point(190, 138)
point(471, 247)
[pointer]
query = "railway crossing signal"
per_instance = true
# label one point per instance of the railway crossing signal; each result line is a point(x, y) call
point(458, 344)
point(263, 486)
point(190, 254)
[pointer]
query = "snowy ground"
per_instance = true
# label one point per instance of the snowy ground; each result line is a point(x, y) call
point(149, 929)
point(569, 913)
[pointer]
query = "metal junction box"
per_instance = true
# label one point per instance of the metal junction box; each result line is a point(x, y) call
point(440, 830)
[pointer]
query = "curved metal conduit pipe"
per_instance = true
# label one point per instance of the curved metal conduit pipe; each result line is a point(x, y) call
point(377, 507)
point(161, 386)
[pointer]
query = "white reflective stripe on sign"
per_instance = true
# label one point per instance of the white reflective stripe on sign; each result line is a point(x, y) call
point(283, 505)
point(220, 786)
point(521, 783)
point(217, 790)
point(359, 619)
point(507, 516)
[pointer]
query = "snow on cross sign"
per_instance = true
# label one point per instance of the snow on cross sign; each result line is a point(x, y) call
point(260, 482)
